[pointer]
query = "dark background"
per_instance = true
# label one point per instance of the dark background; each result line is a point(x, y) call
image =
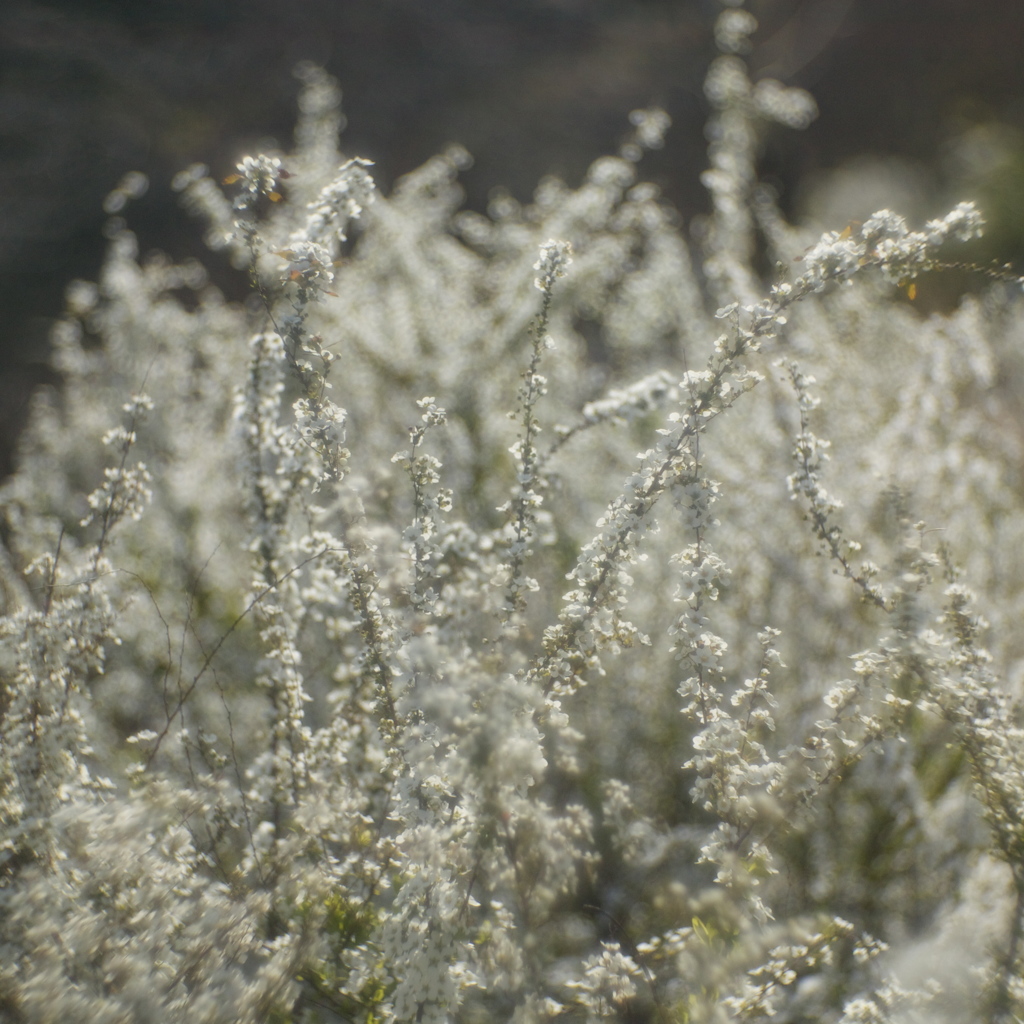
point(90, 89)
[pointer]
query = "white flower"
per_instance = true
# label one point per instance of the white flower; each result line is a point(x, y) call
point(341, 201)
point(309, 264)
point(555, 258)
point(733, 30)
point(257, 175)
point(795, 108)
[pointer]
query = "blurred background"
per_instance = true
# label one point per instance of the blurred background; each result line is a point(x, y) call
point(922, 103)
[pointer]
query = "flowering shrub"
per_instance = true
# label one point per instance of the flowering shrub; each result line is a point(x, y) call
point(362, 670)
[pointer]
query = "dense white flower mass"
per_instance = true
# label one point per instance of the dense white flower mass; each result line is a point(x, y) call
point(408, 644)
point(554, 261)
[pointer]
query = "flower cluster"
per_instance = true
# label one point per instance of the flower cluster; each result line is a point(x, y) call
point(256, 176)
point(411, 645)
point(340, 202)
point(554, 261)
point(885, 241)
